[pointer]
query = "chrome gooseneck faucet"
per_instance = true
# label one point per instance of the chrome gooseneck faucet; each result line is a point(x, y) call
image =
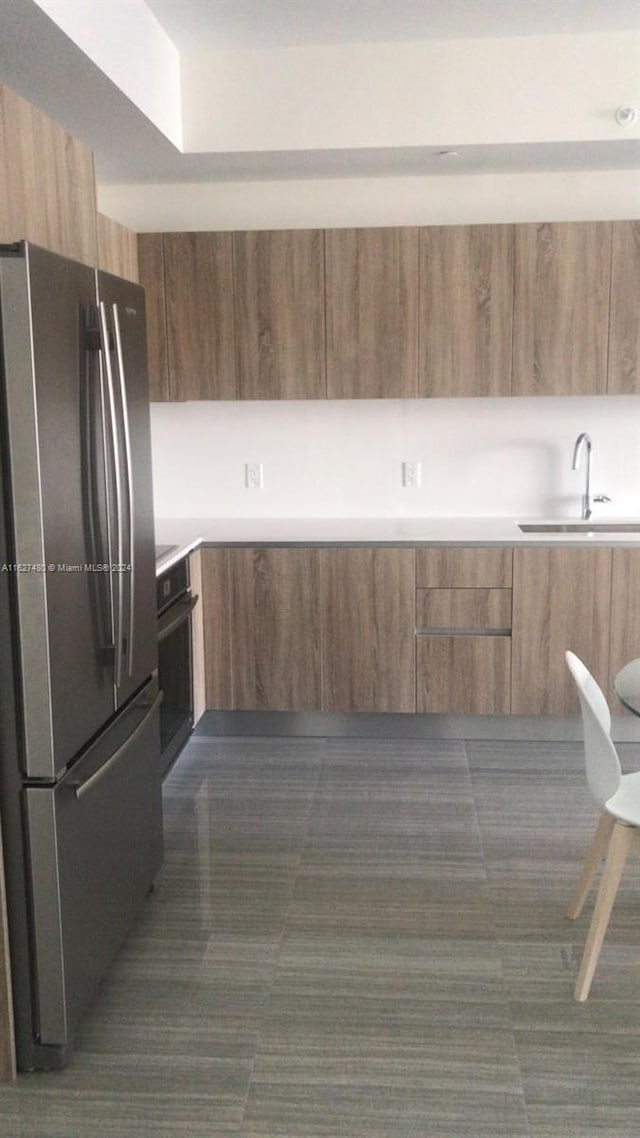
point(584, 440)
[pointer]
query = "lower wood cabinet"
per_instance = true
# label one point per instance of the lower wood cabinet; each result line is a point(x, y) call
point(368, 620)
point(304, 629)
point(275, 629)
point(624, 640)
point(463, 635)
point(463, 675)
point(216, 623)
point(261, 611)
point(561, 600)
point(484, 632)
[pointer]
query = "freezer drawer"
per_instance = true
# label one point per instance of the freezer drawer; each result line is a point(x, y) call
point(95, 845)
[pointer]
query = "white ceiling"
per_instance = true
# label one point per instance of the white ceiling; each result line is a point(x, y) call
point(39, 61)
point(209, 25)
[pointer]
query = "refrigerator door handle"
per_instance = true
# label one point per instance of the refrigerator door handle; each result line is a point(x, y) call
point(115, 444)
point(105, 616)
point(84, 786)
point(105, 472)
point(130, 494)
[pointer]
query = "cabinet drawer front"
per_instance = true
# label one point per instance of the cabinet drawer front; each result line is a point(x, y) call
point(454, 609)
point(464, 567)
point(463, 675)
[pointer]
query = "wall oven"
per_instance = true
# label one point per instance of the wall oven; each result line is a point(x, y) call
point(175, 606)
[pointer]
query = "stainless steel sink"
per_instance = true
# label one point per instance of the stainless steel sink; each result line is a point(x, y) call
point(580, 527)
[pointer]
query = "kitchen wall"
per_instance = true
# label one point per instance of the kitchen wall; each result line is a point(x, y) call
point(479, 457)
point(507, 196)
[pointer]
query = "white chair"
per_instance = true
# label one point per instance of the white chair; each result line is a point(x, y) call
point(619, 825)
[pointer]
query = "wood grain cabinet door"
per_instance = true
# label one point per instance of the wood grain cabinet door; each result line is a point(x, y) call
point(216, 628)
point(561, 600)
point(47, 182)
point(117, 249)
point(561, 308)
point(275, 629)
point(372, 313)
point(624, 330)
point(466, 310)
point(151, 276)
point(280, 314)
point(625, 616)
point(368, 622)
point(464, 675)
point(464, 567)
point(198, 275)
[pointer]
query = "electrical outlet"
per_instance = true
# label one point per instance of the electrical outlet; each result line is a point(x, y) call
point(253, 475)
point(412, 475)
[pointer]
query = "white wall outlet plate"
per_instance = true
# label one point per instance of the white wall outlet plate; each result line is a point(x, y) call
point(411, 475)
point(253, 475)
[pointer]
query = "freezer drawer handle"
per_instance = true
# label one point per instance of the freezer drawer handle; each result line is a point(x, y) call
point(82, 788)
point(186, 607)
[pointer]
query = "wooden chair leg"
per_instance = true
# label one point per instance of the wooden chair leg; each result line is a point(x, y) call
point(597, 851)
point(619, 845)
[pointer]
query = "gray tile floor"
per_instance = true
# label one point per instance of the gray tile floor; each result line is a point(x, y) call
point(360, 938)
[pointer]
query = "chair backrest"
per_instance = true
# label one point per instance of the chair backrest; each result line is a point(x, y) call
point(601, 758)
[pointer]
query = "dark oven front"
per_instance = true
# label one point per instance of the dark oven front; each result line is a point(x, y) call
point(175, 606)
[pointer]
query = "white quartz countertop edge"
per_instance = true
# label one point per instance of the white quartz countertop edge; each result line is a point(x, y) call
point(187, 534)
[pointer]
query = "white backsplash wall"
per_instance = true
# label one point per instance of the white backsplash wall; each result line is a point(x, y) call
point(480, 457)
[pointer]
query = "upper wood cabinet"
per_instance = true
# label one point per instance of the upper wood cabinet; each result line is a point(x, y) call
point(466, 310)
point(561, 308)
point(151, 275)
point(280, 321)
point(442, 311)
point(47, 182)
point(198, 274)
point(368, 615)
point(561, 600)
point(117, 249)
point(624, 331)
point(372, 313)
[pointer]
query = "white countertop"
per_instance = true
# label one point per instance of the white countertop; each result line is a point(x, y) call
point(186, 534)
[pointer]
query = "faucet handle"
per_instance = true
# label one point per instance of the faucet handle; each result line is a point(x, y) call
point(601, 498)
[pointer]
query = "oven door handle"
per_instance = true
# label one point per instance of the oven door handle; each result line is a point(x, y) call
point(170, 621)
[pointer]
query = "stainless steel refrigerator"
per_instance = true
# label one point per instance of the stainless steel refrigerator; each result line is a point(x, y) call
point(80, 782)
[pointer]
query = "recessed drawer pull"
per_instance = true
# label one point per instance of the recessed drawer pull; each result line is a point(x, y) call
point(463, 632)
